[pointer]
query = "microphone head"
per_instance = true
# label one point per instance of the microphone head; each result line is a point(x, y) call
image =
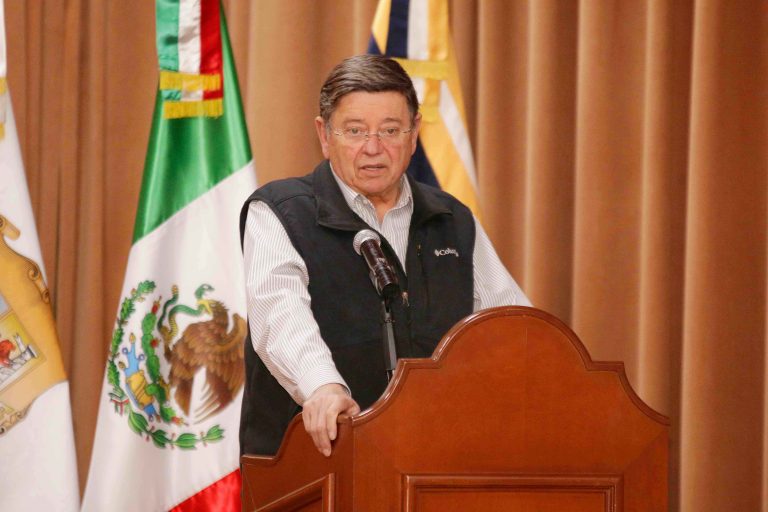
point(364, 236)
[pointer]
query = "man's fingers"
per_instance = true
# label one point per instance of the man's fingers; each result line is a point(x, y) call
point(322, 441)
point(319, 431)
point(308, 416)
point(314, 423)
point(353, 409)
point(346, 406)
point(330, 423)
point(337, 406)
point(321, 413)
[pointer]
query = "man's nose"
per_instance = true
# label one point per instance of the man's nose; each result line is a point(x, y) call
point(372, 144)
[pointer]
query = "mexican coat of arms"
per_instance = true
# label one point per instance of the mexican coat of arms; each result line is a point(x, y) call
point(153, 363)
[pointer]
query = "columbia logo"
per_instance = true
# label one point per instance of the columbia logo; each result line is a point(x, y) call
point(446, 252)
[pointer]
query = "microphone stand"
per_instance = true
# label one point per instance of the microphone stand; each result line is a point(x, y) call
point(390, 353)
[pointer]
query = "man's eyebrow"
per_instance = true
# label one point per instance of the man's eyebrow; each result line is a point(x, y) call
point(360, 120)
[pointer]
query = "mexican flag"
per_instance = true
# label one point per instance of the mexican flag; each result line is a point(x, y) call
point(167, 432)
point(37, 447)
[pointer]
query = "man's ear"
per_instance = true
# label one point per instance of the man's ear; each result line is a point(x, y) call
point(415, 132)
point(322, 135)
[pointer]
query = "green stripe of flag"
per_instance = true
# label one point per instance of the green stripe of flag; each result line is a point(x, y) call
point(167, 20)
point(186, 157)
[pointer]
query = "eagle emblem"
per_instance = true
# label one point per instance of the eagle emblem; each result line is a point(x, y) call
point(178, 366)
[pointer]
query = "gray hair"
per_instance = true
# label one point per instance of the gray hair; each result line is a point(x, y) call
point(369, 73)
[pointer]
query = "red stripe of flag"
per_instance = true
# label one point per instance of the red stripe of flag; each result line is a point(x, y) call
point(210, 44)
point(222, 496)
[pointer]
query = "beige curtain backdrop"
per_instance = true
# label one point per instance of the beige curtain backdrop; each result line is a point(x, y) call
point(622, 159)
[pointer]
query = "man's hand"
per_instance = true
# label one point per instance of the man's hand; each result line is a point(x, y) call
point(321, 410)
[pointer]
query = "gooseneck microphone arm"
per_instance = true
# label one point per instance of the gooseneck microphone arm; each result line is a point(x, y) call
point(368, 244)
point(388, 335)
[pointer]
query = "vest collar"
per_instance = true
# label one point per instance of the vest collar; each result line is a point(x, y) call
point(334, 212)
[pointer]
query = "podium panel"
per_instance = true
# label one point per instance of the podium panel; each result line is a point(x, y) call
point(450, 493)
point(510, 413)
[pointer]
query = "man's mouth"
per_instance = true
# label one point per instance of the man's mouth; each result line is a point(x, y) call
point(373, 167)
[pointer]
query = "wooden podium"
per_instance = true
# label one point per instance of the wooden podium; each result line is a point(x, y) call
point(510, 414)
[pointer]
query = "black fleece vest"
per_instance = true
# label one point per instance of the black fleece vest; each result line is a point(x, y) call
point(437, 292)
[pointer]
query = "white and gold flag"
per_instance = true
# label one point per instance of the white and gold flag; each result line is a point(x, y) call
point(37, 450)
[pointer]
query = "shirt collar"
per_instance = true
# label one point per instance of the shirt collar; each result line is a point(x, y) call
point(425, 201)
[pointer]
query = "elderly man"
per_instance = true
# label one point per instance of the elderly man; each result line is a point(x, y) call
point(314, 316)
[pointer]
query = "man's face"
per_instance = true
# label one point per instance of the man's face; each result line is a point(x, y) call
point(373, 167)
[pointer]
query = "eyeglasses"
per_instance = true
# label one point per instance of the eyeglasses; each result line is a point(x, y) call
point(355, 135)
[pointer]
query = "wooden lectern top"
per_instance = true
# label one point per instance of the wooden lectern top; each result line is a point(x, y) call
point(510, 413)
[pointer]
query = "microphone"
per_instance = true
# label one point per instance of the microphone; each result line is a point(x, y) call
point(368, 244)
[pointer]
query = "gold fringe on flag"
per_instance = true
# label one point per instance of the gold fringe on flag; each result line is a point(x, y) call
point(189, 82)
point(204, 108)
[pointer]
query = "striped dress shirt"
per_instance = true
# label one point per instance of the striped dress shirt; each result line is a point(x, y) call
point(283, 330)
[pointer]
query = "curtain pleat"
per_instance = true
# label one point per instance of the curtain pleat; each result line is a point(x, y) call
point(500, 156)
point(622, 170)
point(662, 219)
point(723, 376)
point(550, 151)
point(609, 128)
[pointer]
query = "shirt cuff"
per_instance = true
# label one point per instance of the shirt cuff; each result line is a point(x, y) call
point(316, 377)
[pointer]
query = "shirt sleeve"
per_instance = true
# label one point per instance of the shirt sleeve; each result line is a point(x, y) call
point(493, 284)
point(283, 329)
